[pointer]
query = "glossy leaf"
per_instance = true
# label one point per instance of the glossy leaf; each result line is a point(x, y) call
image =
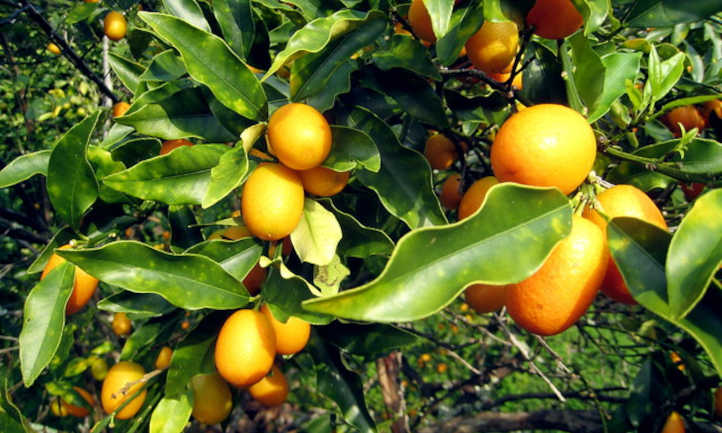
point(166, 66)
point(232, 121)
point(440, 13)
point(663, 13)
point(103, 165)
point(691, 100)
point(115, 135)
point(71, 183)
point(188, 281)
point(315, 35)
point(172, 413)
point(695, 253)
point(209, 60)
point(43, 321)
point(141, 340)
point(189, 11)
point(284, 292)
point(465, 22)
point(317, 234)
point(194, 355)
point(352, 148)
point(639, 249)
point(181, 115)
point(140, 305)
point(618, 68)
point(663, 75)
point(369, 341)
point(339, 83)
point(24, 167)
point(236, 257)
point(589, 77)
point(594, 13)
point(543, 77)
point(407, 53)
point(702, 156)
point(62, 237)
point(311, 73)
point(236, 20)
point(134, 151)
point(179, 177)
point(359, 240)
point(403, 183)
point(127, 71)
point(505, 242)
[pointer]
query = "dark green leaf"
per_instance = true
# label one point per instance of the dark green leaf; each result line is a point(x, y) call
point(283, 292)
point(128, 71)
point(618, 68)
point(589, 77)
point(369, 341)
point(543, 77)
point(407, 53)
point(140, 305)
point(236, 257)
point(24, 167)
point(166, 66)
point(236, 20)
point(80, 12)
point(184, 231)
point(134, 151)
point(192, 357)
point(359, 240)
point(338, 83)
point(351, 149)
point(189, 11)
point(465, 22)
point(663, 13)
point(594, 13)
point(60, 238)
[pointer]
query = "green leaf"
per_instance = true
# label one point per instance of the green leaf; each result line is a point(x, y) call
point(359, 240)
point(103, 165)
point(328, 277)
point(351, 149)
point(505, 242)
point(179, 177)
point(369, 341)
point(691, 100)
point(639, 249)
point(192, 356)
point(43, 321)
point(407, 53)
point(594, 13)
point(62, 237)
point(80, 12)
point(166, 66)
point(134, 151)
point(235, 18)
point(183, 114)
point(311, 73)
point(589, 77)
point(315, 35)
point(317, 234)
point(187, 281)
point(403, 183)
point(618, 68)
point(236, 257)
point(184, 231)
point(71, 184)
point(338, 83)
point(543, 77)
point(465, 22)
point(695, 253)
point(172, 413)
point(209, 60)
point(188, 11)
point(116, 134)
point(141, 340)
point(24, 167)
point(667, 13)
point(284, 292)
point(440, 13)
point(702, 156)
point(340, 385)
point(663, 75)
point(128, 71)
point(140, 305)
point(573, 96)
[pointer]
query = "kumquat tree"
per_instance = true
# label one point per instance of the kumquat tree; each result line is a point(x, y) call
point(338, 216)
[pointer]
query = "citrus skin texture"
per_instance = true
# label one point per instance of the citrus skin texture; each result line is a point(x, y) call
point(324, 182)
point(475, 195)
point(299, 136)
point(674, 424)
point(709, 108)
point(245, 348)
point(450, 195)
point(272, 201)
point(115, 26)
point(544, 145)
point(688, 116)
point(172, 144)
point(212, 398)
point(485, 298)
point(53, 48)
point(120, 108)
point(121, 324)
point(493, 47)
point(78, 411)
point(84, 285)
point(272, 390)
point(554, 19)
point(440, 152)
point(118, 376)
point(163, 360)
point(557, 295)
point(622, 201)
point(420, 21)
point(292, 336)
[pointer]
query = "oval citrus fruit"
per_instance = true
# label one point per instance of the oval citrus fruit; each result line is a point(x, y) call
point(211, 398)
point(114, 26)
point(272, 390)
point(493, 47)
point(172, 144)
point(162, 361)
point(450, 195)
point(674, 424)
point(323, 181)
point(440, 152)
point(485, 298)
point(688, 116)
point(475, 195)
point(299, 136)
point(84, 285)
point(120, 108)
point(554, 19)
point(112, 395)
point(420, 21)
point(121, 324)
point(292, 336)
point(53, 48)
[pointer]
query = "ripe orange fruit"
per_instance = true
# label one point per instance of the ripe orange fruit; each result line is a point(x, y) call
point(718, 403)
point(493, 47)
point(272, 201)
point(299, 136)
point(121, 324)
point(120, 375)
point(622, 201)
point(674, 424)
point(544, 145)
point(292, 336)
point(163, 360)
point(709, 108)
point(502, 77)
point(172, 144)
point(53, 48)
point(84, 285)
point(272, 390)
point(687, 115)
point(474, 196)
point(485, 298)
point(677, 360)
point(120, 108)
point(78, 411)
point(450, 195)
point(420, 21)
point(323, 181)
point(440, 152)
point(211, 398)
point(92, 1)
point(442, 367)
point(557, 295)
point(554, 19)
point(115, 26)
point(185, 325)
point(245, 348)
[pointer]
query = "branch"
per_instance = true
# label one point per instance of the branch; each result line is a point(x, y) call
point(18, 217)
point(66, 50)
point(14, 231)
point(576, 421)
